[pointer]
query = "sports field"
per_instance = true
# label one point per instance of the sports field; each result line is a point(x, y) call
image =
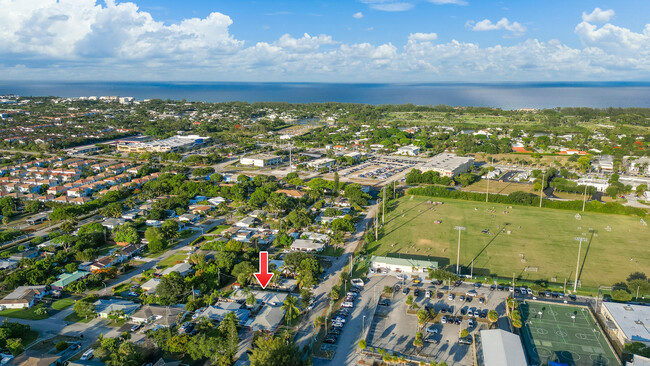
point(530, 242)
point(556, 336)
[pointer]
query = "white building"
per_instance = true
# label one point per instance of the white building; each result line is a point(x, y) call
point(260, 160)
point(23, 297)
point(448, 165)
point(605, 162)
point(307, 245)
point(402, 264)
point(600, 184)
point(408, 150)
point(321, 163)
point(628, 323)
point(500, 348)
point(174, 143)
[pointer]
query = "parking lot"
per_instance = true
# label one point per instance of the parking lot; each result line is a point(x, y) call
point(394, 330)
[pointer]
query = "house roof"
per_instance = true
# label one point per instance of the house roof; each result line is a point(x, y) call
point(501, 348)
point(266, 297)
point(23, 294)
point(164, 315)
point(268, 319)
point(181, 268)
point(306, 244)
point(106, 306)
point(406, 262)
point(68, 278)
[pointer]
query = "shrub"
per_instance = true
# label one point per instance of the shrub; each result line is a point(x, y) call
point(61, 346)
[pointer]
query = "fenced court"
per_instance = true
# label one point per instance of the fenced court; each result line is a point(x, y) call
point(565, 334)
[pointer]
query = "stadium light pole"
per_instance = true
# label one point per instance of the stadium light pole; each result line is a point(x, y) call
point(459, 228)
point(580, 239)
point(541, 191)
point(584, 199)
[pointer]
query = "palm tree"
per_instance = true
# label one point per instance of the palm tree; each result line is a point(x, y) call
point(290, 306)
point(251, 300)
point(318, 322)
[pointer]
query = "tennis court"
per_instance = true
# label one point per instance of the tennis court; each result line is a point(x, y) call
point(565, 334)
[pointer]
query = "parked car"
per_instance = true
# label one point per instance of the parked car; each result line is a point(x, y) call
point(493, 287)
point(135, 327)
point(470, 323)
point(88, 354)
point(443, 320)
point(461, 298)
point(481, 300)
point(440, 295)
point(427, 294)
point(416, 292)
point(432, 330)
point(450, 297)
point(347, 304)
point(357, 282)
point(466, 340)
point(405, 290)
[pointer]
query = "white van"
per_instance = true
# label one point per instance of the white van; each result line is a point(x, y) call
point(88, 354)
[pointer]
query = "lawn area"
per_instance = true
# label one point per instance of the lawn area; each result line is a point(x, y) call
point(74, 318)
point(171, 260)
point(332, 251)
point(63, 303)
point(536, 243)
point(500, 187)
point(218, 229)
point(29, 314)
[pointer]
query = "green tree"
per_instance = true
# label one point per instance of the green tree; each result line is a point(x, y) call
point(493, 316)
point(172, 289)
point(290, 306)
point(15, 346)
point(170, 229)
point(362, 344)
point(243, 272)
point(156, 239)
point(276, 351)
point(84, 308)
point(464, 333)
point(125, 234)
point(621, 295)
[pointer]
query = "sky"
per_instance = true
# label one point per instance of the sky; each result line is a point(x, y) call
point(376, 41)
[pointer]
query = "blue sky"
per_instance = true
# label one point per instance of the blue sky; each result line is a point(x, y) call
point(342, 41)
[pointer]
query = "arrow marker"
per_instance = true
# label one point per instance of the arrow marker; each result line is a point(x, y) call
point(263, 276)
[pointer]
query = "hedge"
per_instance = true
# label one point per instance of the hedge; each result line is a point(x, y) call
point(525, 199)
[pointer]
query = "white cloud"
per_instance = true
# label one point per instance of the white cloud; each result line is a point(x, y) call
point(358, 15)
point(388, 5)
point(445, 2)
point(85, 39)
point(598, 16)
point(424, 37)
point(503, 24)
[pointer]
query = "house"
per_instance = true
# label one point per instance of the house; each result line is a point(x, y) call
point(104, 307)
point(102, 263)
point(23, 297)
point(166, 316)
point(217, 200)
point(37, 219)
point(183, 269)
point(188, 217)
point(246, 222)
point(408, 150)
point(306, 245)
point(7, 264)
point(267, 320)
point(112, 223)
point(402, 264)
point(32, 358)
point(154, 223)
point(627, 323)
point(161, 362)
point(264, 297)
point(29, 253)
point(293, 193)
point(65, 279)
point(131, 214)
point(201, 209)
point(150, 286)
point(221, 308)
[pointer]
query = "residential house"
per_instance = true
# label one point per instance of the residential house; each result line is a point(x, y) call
point(188, 217)
point(65, 279)
point(23, 297)
point(166, 316)
point(221, 308)
point(29, 253)
point(246, 222)
point(104, 307)
point(7, 264)
point(150, 286)
point(183, 269)
point(102, 263)
point(112, 223)
point(306, 245)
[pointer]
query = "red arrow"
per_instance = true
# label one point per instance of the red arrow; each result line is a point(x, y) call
point(263, 276)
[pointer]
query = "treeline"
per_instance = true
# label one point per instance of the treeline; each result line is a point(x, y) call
point(68, 212)
point(525, 199)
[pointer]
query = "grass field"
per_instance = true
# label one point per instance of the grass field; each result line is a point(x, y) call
point(29, 314)
point(500, 187)
point(63, 303)
point(530, 242)
point(555, 336)
point(171, 260)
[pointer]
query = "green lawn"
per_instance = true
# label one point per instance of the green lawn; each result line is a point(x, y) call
point(218, 229)
point(74, 318)
point(29, 314)
point(332, 251)
point(63, 303)
point(533, 239)
point(171, 260)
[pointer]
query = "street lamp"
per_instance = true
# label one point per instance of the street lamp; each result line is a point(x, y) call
point(459, 228)
point(540, 314)
point(580, 239)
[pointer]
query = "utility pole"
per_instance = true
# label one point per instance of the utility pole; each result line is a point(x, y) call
point(580, 239)
point(376, 226)
point(383, 204)
point(584, 199)
point(459, 228)
point(541, 191)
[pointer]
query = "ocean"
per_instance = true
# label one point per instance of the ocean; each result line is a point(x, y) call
point(497, 95)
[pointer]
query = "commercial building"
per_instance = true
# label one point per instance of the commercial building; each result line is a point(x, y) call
point(408, 150)
point(500, 348)
point(628, 323)
point(171, 144)
point(448, 165)
point(260, 160)
point(600, 184)
point(321, 163)
point(402, 264)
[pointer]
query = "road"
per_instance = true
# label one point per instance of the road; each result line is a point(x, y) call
point(320, 295)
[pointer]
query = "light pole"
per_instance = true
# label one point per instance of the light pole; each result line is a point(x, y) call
point(541, 190)
point(459, 228)
point(580, 239)
point(363, 327)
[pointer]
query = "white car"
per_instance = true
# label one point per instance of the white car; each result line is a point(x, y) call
point(87, 355)
point(427, 294)
point(530, 292)
point(357, 282)
point(348, 304)
point(450, 297)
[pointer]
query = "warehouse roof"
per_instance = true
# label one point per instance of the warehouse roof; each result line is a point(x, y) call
point(501, 348)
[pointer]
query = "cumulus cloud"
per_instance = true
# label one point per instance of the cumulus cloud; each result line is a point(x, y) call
point(598, 16)
point(503, 24)
point(423, 37)
point(92, 39)
point(358, 15)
